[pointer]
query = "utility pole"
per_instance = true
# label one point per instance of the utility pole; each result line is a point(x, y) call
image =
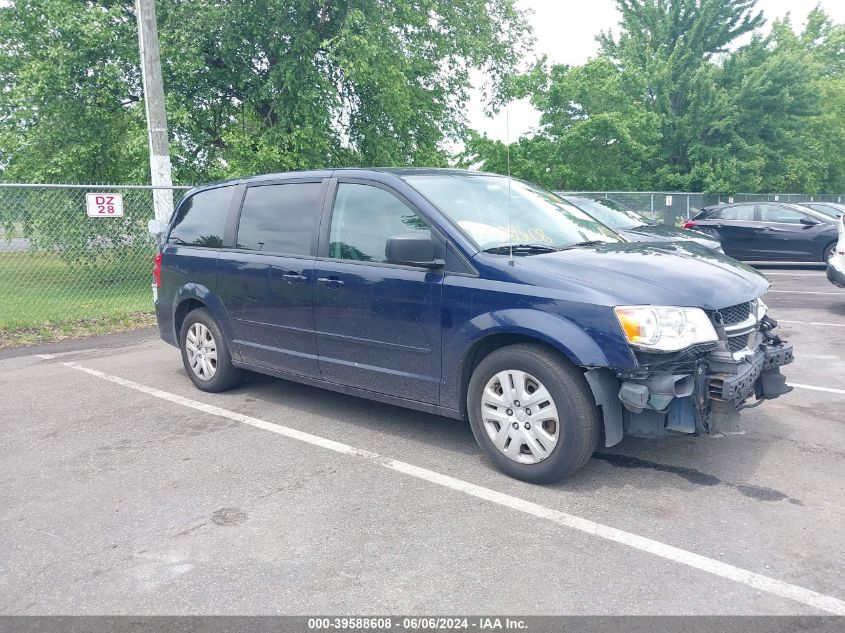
point(154, 104)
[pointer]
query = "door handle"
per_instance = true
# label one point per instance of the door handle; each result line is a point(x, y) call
point(330, 282)
point(294, 278)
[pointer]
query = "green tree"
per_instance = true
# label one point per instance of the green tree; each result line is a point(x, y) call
point(747, 124)
point(673, 102)
point(826, 41)
point(592, 134)
point(667, 43)
point(252, 85)
point(69, 110)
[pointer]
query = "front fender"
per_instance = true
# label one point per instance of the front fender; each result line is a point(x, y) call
point(572, 340)
point(559, 332)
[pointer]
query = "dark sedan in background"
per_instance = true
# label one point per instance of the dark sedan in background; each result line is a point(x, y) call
point(769, 231)
point(635, 227)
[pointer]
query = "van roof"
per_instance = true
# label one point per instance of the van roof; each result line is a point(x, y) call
point(399, 172)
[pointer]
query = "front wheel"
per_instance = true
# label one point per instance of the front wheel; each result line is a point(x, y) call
point(532, 413)
point(205, 353)
point(828, 252)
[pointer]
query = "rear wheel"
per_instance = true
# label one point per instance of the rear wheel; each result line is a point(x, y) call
point(532, 413)
point(205, 353)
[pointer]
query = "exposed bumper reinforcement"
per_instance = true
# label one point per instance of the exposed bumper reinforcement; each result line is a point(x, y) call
point(762, 367)
point(705, 397)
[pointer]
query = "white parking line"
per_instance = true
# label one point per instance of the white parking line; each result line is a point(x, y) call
point(814, 388)
point(812, 323)
point(820, 273)
point(737, 574)
point(808, 292)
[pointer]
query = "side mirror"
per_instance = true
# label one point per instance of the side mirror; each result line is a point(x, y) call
point(808, 222)
point(414, 249)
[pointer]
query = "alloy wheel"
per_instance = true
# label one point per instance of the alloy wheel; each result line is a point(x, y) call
point(202, 351)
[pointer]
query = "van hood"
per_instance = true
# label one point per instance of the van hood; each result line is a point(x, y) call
point(664, 233)
point(667, 273)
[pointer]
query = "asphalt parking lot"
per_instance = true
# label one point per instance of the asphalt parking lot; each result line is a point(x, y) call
point(123, 492)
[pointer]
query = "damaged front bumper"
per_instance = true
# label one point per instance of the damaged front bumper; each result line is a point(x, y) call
point(697, 391)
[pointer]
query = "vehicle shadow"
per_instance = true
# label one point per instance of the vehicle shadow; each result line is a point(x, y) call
point(838, 309)
point(670, 463)
point(385, 419)
point(682, 462)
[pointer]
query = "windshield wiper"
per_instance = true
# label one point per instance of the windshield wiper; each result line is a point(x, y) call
point(504, 249)
point(588, 243)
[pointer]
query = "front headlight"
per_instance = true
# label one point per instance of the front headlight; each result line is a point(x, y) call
point(664, 328)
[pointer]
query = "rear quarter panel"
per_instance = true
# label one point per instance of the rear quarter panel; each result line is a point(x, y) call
point(188, 273)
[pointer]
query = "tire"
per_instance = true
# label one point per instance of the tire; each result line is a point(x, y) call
point(577, 425)
point(216, 373)
point(828, 252)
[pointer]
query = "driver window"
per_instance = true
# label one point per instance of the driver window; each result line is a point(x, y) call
point(364, 218)
point(782, 215)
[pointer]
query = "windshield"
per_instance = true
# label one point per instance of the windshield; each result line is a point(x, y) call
point(815, 213)
point(833, 210)
point(609, 212)
point(478, 204)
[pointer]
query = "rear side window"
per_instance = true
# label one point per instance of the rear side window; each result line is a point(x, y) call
point(364, 218)
point(739, 212)
point(279, 218)
point(201, 219)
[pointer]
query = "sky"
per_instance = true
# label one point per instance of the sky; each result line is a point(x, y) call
point(565, 32)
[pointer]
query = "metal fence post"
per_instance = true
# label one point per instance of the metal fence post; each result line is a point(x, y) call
point(155, 108)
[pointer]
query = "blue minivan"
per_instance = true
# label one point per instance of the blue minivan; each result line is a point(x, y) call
point(467, 295)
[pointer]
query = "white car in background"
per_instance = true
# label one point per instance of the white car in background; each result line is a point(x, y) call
point(836, 263)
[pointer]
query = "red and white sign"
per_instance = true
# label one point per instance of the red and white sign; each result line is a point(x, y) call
point(104, 205)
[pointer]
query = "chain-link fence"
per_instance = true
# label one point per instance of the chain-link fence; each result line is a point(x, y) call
point(59, 265)
point(673, 207)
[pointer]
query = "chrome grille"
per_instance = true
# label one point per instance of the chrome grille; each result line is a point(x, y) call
point(736, 314)
point(699, 350)
point(736, 343)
